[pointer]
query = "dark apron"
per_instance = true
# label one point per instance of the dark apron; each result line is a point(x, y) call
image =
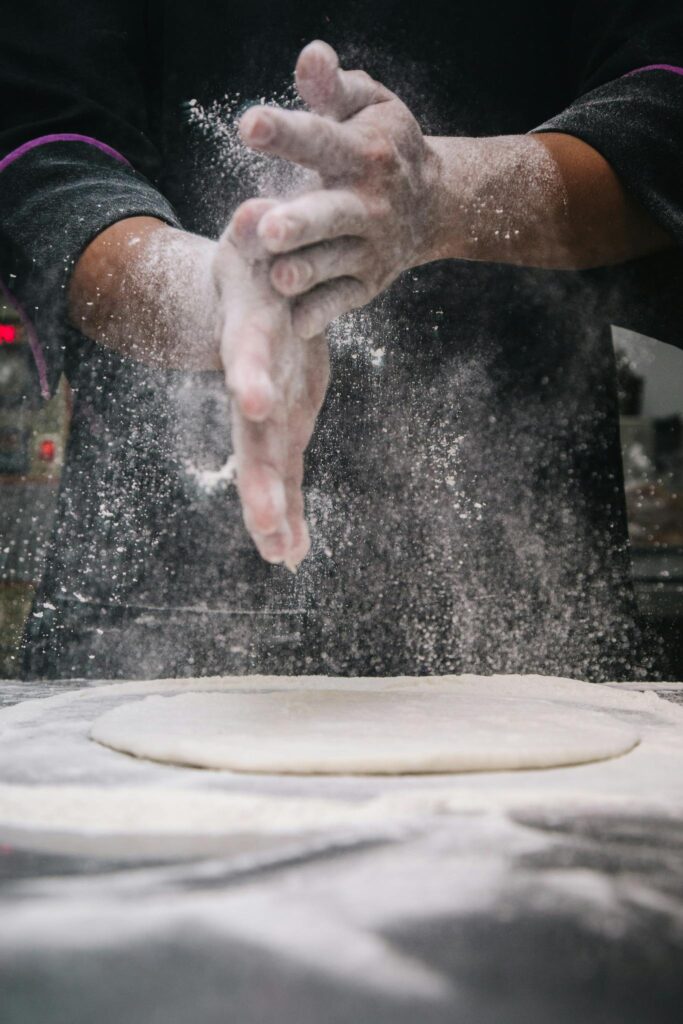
point(463, 486)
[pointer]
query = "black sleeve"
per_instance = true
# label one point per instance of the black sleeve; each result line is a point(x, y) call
point(76, 149)
point(626, 71)
point(626, 61)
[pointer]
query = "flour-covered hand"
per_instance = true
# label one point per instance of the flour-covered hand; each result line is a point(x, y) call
point(337, 247)
point(277, 382)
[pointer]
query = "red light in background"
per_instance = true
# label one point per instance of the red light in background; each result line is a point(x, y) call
point(47, 450)
point(8, 334)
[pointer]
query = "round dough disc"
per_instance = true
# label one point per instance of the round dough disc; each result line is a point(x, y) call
point(338, 731)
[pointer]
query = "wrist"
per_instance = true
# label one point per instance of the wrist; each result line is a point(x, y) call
point(444, 213)
point(145, 290)
point(498, 200)
point(177, 271)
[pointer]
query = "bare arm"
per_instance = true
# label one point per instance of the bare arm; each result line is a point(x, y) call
point(146, 290)
point(547, 200)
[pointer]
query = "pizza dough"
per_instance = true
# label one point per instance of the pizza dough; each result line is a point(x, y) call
point(378, 729)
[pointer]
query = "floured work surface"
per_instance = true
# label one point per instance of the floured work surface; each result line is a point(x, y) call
point(59, 788)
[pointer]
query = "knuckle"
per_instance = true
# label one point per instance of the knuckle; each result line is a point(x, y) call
point(364, 78)
point(379, 151)
point(262, 507)
point(378, 207)
point(263, 517)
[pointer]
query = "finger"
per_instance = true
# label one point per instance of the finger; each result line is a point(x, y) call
point(261, 443)
point(300, 547)
point(312, 217)
point(242, 230)
point(316, 379)
point(316, 310)
point(329, 90)
point(302, 138)
point(298, 273)
point(264, 500)
point(317, 373)
point(261, 490)
point(269, 481)
point(247, 341)
point(247, 350)
point(261, 465)
point(301, 424)
point(299, 536)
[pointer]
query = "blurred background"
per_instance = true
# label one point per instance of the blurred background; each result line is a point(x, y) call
point(33, 436)
point(651, 400)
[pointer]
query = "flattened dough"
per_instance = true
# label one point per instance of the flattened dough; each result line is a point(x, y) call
point(410, 730)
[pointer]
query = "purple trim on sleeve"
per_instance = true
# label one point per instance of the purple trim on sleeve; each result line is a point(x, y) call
point(34, 344)
point(657, 67)
point(65, 137)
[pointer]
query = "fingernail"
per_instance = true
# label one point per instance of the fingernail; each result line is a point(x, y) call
point(300, 546)
point(259, 127)
point(281, 229)
point(276, 547)
point(295, 274)
point(303, 272)
point(273, 549)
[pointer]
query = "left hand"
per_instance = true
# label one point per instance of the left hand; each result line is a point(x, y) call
point(338, 247)
point(277, 383)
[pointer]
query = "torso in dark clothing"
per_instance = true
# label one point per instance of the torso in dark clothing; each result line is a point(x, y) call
point(464, 481)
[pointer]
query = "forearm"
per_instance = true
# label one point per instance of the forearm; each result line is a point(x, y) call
point(146, 290)
point(545, 200)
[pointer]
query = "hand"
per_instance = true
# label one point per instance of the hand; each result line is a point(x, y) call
point(336, 248)
point(277, 382)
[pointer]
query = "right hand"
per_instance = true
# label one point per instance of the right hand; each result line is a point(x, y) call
point(277, 382)
point(336, 247)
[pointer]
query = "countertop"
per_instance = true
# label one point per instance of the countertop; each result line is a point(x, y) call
point(480, 916)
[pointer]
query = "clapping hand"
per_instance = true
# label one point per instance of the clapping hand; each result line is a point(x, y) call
point(335, 248)
point(277, 381)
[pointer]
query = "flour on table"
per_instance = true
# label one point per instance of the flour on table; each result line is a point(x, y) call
point(60, 792)
point(465, 726)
